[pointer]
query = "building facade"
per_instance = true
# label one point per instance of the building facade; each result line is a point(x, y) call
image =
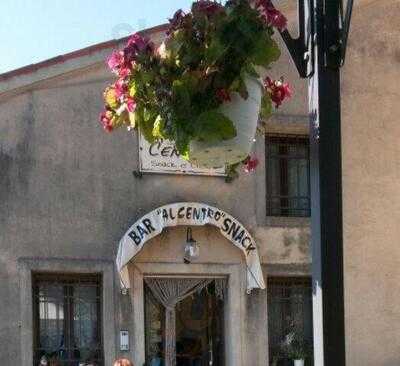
point(69, 192)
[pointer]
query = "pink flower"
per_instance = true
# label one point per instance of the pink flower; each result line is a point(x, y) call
point(131, 104)
point(271, 15)
point(135, 46)
point(207, 7)
point(278, 90)
point(176, 21)
point(251, 164)
point(120, 88)
point(115, 61)
point(137, 41)
point(122, 62)
point(223, 95)
point(124, 72)
point(106, 120)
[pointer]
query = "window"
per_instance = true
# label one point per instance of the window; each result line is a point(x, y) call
point(288, 170)
point(289, 310)
point(67, 319)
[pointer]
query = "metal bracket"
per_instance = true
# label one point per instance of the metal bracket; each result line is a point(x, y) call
point(137, 174)
point(335, 50)
point(345, 27)
point(299, 48)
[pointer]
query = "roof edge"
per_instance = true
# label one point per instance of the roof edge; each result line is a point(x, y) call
point(75, 54)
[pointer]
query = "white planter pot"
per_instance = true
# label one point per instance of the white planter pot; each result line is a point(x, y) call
point(298, 362)
point(244, 115)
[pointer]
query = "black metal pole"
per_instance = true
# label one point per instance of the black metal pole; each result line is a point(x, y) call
point(326, 184)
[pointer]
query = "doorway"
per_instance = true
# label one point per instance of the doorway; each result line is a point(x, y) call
point(199, 327)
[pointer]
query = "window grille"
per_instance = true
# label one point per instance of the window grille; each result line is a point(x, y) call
point(67, 319)
point(289, 308)
point(288, 171)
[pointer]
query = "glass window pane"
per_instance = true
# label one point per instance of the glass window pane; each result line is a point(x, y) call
point(274, 177)
point(287, 173)
point(289, 310)
point(51, 317)
point(303, 178)
point(67, 320)
point(301, 150)
point(85, 315)
point(293, 176)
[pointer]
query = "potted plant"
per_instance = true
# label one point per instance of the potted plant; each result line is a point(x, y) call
point(299, 354)
point(204, 87)
point(295, 348)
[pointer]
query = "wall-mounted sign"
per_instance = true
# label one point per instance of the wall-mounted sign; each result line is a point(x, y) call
point(191, 214)
point(124, 340)
point(162, 157)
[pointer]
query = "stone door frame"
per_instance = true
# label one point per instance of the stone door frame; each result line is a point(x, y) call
point(234, 308)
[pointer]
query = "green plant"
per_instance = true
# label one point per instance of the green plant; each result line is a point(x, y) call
point(294, 346)
point(174, 91)
point(299, 352)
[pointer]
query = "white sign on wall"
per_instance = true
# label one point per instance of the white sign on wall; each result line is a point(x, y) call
point(162, 157)
point(124, 340)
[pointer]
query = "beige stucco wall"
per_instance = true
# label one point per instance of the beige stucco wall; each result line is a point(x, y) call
point(371, 167)
point(67, 192)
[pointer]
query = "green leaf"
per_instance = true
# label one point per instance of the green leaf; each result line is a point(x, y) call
point(247, 28)
point(133, 89)
point(190, 80)
point(251, 71)
point(147, 131)
point(214, 51)
point(119, 120)
point(239, 86)
point(242, 90)
point(231, 172)
point(182, 140)
point(181, 95)
point(213, 126)
point(174, 44)
point(132, 119)
point(266, 107)
point(145, 127)
point(185, 153)
point(266, 51)
point(158, 128)
point(147, 77)
point(147, 114)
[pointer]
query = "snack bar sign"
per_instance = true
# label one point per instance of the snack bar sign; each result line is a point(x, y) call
point(163, 157)
point(189, 214)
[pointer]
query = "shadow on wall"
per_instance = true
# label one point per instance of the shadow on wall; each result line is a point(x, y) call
point(16, 159)
point(302, 241)
point(9, 321)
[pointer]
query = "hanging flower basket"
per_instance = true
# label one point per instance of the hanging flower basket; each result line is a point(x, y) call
point(203, 88)
point(244, 115)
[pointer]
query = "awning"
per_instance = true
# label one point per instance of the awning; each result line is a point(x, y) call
point(189, 214)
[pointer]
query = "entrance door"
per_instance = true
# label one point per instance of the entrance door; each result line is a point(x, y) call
point(199, 329)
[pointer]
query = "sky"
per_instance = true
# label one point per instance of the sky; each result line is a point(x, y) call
point(35, 30)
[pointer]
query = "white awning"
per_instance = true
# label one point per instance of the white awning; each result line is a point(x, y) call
point(189, 214)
